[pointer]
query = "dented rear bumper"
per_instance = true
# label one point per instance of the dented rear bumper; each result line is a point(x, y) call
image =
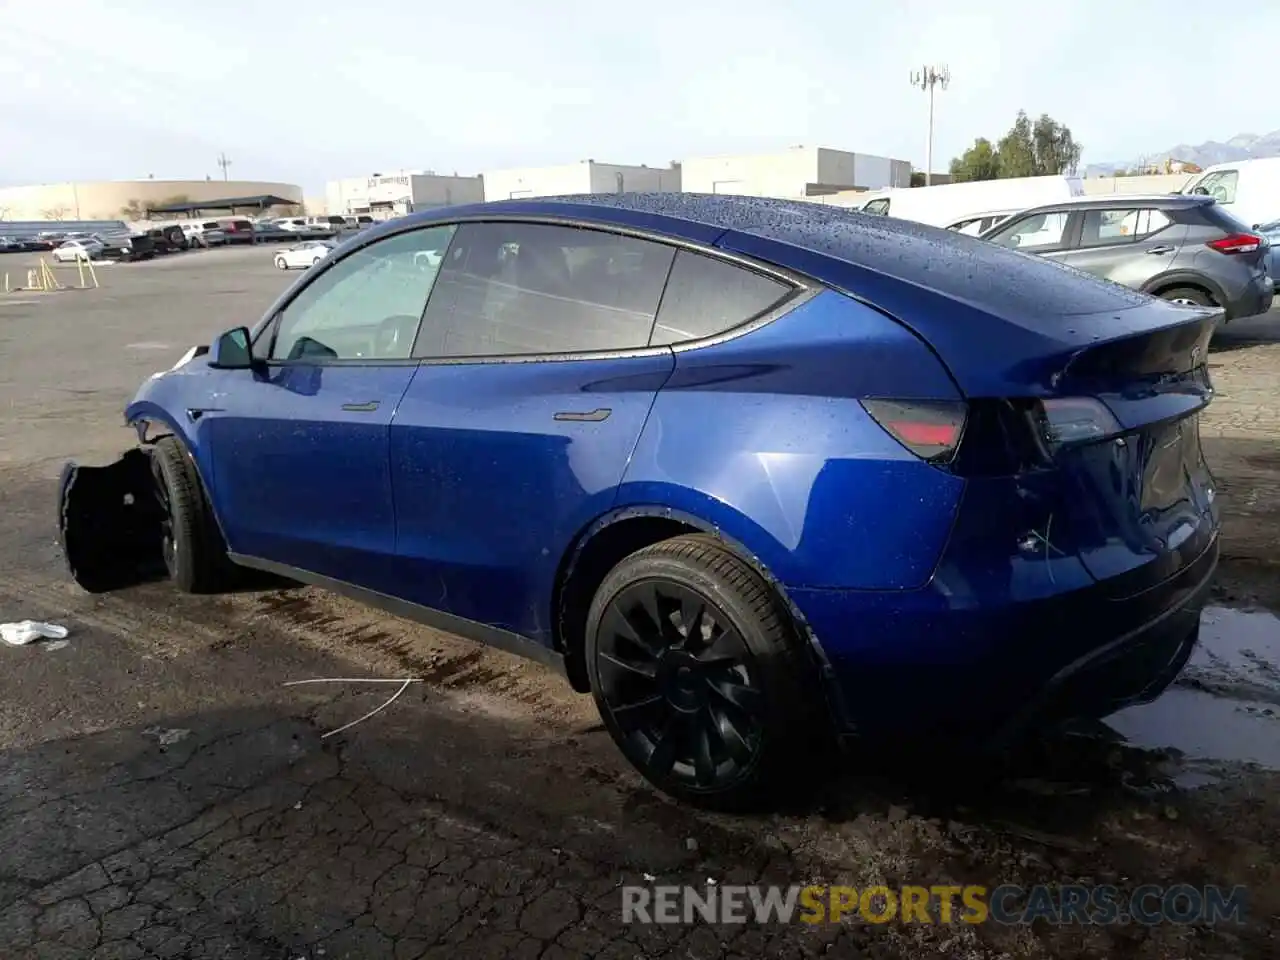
point(110, 523)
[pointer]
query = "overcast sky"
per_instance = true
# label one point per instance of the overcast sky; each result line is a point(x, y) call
point(318, 89)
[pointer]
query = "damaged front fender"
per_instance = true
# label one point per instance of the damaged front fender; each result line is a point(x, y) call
point(111, 523)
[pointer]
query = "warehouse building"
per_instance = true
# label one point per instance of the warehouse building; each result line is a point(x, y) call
point(392, 195)
point(586, 176)
point(127, 199)
point(795, 173)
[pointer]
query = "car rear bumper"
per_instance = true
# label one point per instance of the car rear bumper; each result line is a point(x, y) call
point(1256, 298)
point(921, 665)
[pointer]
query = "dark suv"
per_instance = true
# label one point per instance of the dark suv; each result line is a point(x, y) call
point(1183, 248)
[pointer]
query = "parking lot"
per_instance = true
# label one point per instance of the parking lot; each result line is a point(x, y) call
point(164, 794)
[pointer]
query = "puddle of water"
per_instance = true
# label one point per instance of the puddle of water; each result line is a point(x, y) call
point(1225, 708)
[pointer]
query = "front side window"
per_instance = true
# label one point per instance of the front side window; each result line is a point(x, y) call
point(366, 306)
point(879, 207)
point(1040, 231)
point(520, 289)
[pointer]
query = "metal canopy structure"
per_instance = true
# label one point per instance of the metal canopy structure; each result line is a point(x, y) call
point(229, 204)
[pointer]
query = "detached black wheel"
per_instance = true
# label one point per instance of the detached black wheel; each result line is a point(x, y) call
point(1188, 297)
point(191, 543)
point(699, 674)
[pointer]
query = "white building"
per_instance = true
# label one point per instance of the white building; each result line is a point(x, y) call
point(391, 195)
point(586, 176)
point(793, 174)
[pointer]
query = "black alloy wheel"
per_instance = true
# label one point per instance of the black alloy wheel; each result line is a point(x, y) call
point(168, 529)
point(699, 674)
point(679, 682)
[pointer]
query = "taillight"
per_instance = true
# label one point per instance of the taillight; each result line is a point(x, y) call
point(1076, 420)
point(930, 429)
point(1236, 243)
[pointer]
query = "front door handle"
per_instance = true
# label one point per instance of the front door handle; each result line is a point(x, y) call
point(369, 406)
point(1161, 249)
point(591, 416)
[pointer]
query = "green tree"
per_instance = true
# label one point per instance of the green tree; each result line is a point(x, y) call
point(917, 179)
point(1017, 149)
point(133, 210)
point(1054, 150)
point(979, 162)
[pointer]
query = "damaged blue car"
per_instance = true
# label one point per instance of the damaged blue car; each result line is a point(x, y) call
point(747, 471)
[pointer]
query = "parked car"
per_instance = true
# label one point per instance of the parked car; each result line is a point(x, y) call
point(126, 247)
point(237, 229)
point(168, 239)
point(948, 203)
point(70, 251)
point(206, 234)
point(1248, 189)
point(1271, 233)
point(304, 255)
point(1183, 248)
point(268, 231)
point(11, 245)
point(761, 467)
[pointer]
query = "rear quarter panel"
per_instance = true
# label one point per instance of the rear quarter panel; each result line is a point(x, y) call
point(762, 437)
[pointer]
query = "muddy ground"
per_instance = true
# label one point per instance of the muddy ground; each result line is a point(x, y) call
point(164, 794)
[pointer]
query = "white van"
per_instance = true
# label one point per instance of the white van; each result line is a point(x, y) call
point(953, 204)
point(1249, 189)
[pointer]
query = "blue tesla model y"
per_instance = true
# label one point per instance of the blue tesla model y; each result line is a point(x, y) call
point(738, 467)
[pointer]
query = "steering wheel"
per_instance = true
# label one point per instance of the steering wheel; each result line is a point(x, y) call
point(395, 336)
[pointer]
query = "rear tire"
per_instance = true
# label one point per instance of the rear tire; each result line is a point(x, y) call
point(713, 702)
point(1188, 296)
point(194, 554)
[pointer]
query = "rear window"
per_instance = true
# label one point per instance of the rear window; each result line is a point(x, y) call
point(705, 296)
point(212, 225)
point(1224, 219)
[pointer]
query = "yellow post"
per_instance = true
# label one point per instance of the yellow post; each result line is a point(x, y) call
point(6, 283)
point(80, 271)
point(92, 272)
point(31, 279)
point(50, 281)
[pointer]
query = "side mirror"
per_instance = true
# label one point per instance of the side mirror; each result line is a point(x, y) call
point(232, 351)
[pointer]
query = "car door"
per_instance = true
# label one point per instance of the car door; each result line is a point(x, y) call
point(299, 446)
point(1130, 246)
point(536, 381)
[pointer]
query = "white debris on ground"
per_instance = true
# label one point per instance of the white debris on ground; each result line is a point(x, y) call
point(23, 632)
point(404, 685)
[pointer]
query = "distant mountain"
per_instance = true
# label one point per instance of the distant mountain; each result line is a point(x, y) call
point(1243, 146)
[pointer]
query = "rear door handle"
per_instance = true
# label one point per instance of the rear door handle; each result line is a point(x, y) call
point(369, 406)
point(1161, 249)
point(592, 416)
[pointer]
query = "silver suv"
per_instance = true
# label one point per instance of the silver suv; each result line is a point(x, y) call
point(1183, 248)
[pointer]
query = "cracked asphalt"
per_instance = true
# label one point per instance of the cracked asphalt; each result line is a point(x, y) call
point(163, 794)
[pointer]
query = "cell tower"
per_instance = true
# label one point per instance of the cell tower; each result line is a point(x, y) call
point(928, 79)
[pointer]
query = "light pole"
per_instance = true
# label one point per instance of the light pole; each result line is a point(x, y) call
point(928, 79)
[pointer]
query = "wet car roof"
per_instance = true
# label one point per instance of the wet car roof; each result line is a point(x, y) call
point(991, 278)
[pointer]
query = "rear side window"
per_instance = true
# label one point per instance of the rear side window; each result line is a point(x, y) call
point(519, 289)
point(880, 207)
point(706, 296)
point(1111, 226)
